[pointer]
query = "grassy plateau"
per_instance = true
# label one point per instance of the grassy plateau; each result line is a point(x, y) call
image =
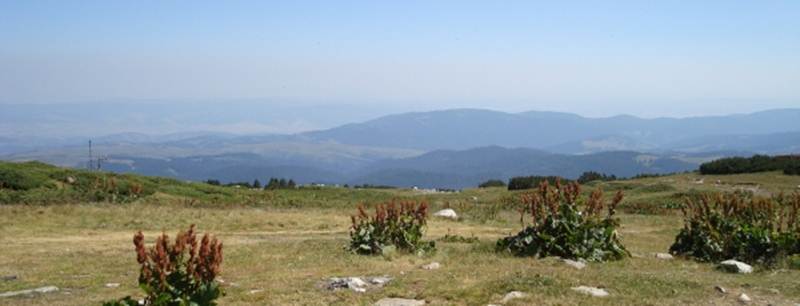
point(73, 229)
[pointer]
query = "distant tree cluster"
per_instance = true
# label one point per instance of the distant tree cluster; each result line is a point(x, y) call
point(528, 182)
point(757, 163)
point(589, 176)
point(274, 183)
point(492, 183)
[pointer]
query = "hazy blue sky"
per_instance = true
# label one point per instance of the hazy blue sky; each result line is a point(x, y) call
point(596, 58)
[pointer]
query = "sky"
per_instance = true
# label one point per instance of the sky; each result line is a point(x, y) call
point(594, 58)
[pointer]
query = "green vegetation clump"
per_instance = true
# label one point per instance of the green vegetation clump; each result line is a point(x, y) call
point(757, 163)
point(492, 183)
point(529, 182)
point(559, 228)
point(740, 226)
point(458, 239)
point(182, 273)
point(395, 225)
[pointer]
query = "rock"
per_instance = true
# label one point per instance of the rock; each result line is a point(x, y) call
point(447, 214)
point(71, 180)
point(356, 284)
point(475, 199)
point(721, 289)
point(432, 266)
point(664, 256)
point(112, 285)
point(575, 264)
point(399, 302)
point(591, 291)
point(254, 291)
point(735, 266)
point(513, 295)
point(379, 281)
point(744, 298)
point(41, 290)
point(9, 278)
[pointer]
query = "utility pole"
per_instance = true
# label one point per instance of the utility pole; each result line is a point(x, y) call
point(91, 164)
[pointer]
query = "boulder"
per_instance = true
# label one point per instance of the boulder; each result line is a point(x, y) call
point(664, 256)
point(432, 266)
point(744, 298)
point(399, 302)
point(447, 214)
point(513, 295)
point(575, 264)
point(735, 266)
point(591, 291)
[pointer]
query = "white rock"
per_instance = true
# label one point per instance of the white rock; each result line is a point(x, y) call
point(254, 291)
point(513, 295)
point(575, 264)
point(664, 256)
point(591, 291)
point(112, 285)
point(432, 266)
point(447, 214)
point(399, 302)
point(744, 298)
point(380, 280)
point(735, 266)
point(41, 290)
point(721, 289)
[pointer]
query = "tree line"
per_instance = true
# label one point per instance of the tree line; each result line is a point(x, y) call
point(789, 164)
point(273, 183)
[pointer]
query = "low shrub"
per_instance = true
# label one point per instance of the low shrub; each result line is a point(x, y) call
point(740, 226)
point(559, 228)
point(395, 225)
point(182, 273)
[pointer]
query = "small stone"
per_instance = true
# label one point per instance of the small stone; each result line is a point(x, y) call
point(664, 256)
point(744, 298)
point(735, 266)
point(399, 302)
point(575, 264)
point(112, 285)
point(71, 180)
point(254, 291)
point(513, 295)
point(40, 290)
point(721, 289)
point(447, 214)
point(591, 291)
point(380, 280)
point(432, 266)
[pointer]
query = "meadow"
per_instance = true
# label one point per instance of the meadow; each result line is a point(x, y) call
point(282, 245)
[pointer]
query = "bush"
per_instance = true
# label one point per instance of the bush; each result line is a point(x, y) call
point(178, 274)
point(740, 226)
point(14, 178)
point(398, 226)
point(559, 228)
point(492, 183)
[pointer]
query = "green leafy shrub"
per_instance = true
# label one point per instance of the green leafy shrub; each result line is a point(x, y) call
point(559, 228)
point(16, 177)
point(740, 226)
point(395, 225)
point(178, 274)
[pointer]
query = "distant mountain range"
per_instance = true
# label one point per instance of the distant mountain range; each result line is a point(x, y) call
point(451, 148)
point(563, 132)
